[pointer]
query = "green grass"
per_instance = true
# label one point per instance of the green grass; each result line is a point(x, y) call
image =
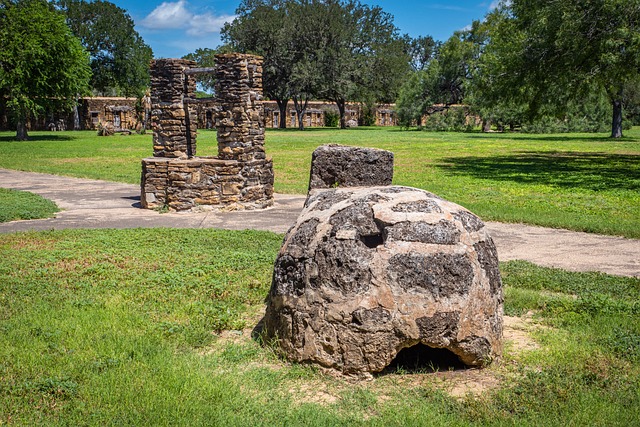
point(585, 182)
point(15, 205)
point(121, 327)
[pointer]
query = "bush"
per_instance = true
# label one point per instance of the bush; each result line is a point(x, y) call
point(105, 129)
point(331, 118)
point(452, 120)
point(368, 114)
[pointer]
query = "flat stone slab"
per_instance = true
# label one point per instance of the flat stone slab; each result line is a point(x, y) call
point(336, 165)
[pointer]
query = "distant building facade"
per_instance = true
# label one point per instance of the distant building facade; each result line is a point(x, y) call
point(117, 111)
point(314, 114)
point(121, 113)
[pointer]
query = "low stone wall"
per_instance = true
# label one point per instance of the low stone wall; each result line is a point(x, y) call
point(205, 183)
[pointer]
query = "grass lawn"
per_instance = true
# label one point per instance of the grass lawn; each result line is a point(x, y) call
point(584, 182)
point(16, 205)
point(136, 327)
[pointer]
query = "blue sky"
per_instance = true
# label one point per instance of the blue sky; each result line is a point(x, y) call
point(174, 28)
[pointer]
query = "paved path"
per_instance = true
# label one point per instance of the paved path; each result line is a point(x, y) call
point(100, 204)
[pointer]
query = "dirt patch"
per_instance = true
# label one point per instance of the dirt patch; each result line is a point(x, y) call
point(313, 392)
point(31, 243)
point(469, 382)
point(457, 383)
point(517, 333)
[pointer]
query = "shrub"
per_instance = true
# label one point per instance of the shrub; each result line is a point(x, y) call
point(368, 114)
point(452, 120)
point(331, 118)
point(105, 129)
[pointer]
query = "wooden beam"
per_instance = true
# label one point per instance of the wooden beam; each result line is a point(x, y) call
point(199, 100)
point(191, 71)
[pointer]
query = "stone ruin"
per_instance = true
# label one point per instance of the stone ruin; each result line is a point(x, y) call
point(370, 269)
point(241, 176)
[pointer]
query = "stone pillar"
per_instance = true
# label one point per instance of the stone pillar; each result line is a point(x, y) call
point(240, 119)
point(174, 123)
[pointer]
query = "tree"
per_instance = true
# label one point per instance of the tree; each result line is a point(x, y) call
point(42, 65)
point(337, 50)
point(119, 56)
point(360, 53)
point(441, 84)
point(422, 50)
point(553, 51)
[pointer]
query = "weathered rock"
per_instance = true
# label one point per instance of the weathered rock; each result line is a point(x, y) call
point(343, 166)
point(366, 272)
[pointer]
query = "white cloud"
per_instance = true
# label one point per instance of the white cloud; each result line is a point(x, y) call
point(207, 23)
point(176, 15)
point(495, 3)
point(168, 16)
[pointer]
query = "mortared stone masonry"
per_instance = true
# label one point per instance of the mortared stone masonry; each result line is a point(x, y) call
point(241, 176)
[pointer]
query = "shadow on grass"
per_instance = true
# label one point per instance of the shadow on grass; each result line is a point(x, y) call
point(592, 171)
point(329, 129)
point(537, 137)
point(36, 138)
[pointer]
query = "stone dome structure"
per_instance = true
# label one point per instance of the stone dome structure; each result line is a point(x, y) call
point(368, 271)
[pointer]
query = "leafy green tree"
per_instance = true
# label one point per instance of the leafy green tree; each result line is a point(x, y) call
point(339, 50)
point(422, 50)
point(42, 65)
point(360, 53)
point(119, 56)
point(441, 84)
point(549, 52)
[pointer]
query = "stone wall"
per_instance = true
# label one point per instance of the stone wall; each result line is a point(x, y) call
point(240, 118)
point(241, 177)
point(206, 182)
point(173, 122)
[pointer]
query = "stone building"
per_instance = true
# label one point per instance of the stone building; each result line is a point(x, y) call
point(314, 115)
point(117, 111)
point(120, 112)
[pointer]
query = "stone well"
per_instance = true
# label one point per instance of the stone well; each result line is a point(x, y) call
point(241, 176)
point(368, 271)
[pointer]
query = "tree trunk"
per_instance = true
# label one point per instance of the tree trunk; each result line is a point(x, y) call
point(486, 125)
point(341, 109)
point(76, 114)
point(282, 106)
point(616, 126)
point(301, 108)
point(21, 132)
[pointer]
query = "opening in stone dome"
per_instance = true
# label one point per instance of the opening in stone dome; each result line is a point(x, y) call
point(421, 358)
point(372, 241)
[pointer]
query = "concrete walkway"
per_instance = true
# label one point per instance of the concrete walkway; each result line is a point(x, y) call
point(101, 204)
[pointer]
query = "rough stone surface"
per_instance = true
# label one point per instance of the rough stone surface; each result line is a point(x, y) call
point(342, 166)
point(171, 116)
point(366, 272)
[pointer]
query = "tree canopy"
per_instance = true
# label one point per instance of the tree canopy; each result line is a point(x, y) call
point(550, 52)
point(42, 65)
point(119, 56)
point(441, 82)
point(339, 50)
